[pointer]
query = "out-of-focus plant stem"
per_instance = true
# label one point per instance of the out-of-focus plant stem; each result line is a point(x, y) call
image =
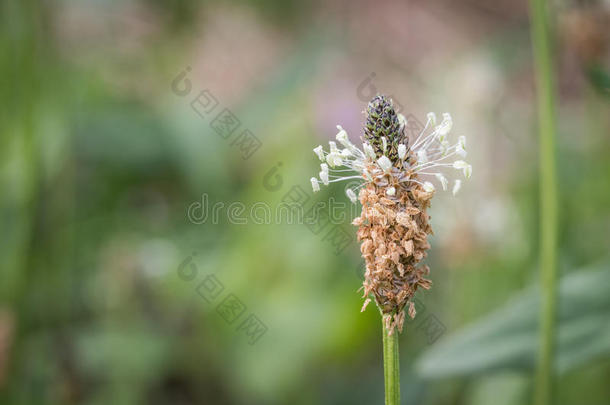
point(541, 40)
point(391, 369)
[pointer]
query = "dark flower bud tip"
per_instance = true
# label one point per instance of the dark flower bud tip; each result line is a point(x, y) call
point(383, 122)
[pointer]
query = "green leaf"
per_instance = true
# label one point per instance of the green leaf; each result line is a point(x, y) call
point(508, 337)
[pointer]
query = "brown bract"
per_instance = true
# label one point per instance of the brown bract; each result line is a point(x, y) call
point(393, 231)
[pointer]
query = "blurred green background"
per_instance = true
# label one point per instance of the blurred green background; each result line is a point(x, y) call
point(106, 278)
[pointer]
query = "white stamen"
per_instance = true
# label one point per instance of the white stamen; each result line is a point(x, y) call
point(402, 151)
point(446, 125)
point(342, 136)
point(444, 147)
point(320, 152)
point(315, 185)
point(432, 118)
point(384, 163)
point(459, 150)
point(429, 187)
point(391, 191)
point(402, 120)
point(334, 159)
point(333, 147)
point(443, 180)
point(459, 164)
point(324, 177)
point(422, 156)
point(368, 150)
point(456, 186)
point(324, 167)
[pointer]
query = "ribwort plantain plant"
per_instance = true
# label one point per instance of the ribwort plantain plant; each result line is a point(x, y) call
point(393, 228)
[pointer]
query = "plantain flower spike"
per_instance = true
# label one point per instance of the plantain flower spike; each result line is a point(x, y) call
point(398, 181)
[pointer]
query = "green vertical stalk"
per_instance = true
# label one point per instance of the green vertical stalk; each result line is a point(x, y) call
point(391, 369)
point(540, 33)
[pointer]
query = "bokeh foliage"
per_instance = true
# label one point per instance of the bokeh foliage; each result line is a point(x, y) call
point(100, 162)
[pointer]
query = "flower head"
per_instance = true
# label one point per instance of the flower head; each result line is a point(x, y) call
point(398, 176)
point(387, 156)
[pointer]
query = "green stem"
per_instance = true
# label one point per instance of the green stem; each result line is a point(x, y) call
point(548, 199)
point(391, 369)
